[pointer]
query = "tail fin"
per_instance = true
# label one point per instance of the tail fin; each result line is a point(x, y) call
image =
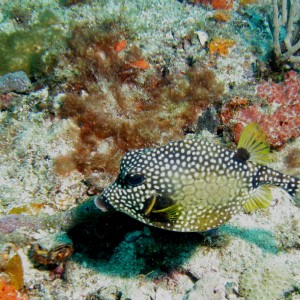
point(267, 176)
point(262, 197)
point(253, 146)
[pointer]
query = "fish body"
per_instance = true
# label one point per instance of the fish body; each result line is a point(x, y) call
point(194, 185)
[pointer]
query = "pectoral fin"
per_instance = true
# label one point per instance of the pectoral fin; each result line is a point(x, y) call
point(172, 212)
point(162, 208)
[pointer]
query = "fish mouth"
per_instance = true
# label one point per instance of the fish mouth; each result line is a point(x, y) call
point(102, 203)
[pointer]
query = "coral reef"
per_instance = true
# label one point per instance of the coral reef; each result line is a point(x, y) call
point(109, 76)
point(261, 44)
point(256, 281)
point(279, 116)
point(286, 15)
point(208, 287)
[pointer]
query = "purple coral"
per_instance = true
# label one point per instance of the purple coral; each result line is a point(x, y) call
point(10, 223)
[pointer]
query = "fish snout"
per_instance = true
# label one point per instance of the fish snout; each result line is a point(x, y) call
point(101, 201)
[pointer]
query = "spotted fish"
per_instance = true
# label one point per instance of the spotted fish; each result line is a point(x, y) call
point(194, 185)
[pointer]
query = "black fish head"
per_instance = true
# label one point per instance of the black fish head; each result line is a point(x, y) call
point(140, 187)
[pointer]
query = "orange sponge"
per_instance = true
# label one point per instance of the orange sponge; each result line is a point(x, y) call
point(220, 46)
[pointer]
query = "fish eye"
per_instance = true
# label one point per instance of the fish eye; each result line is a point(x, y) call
point(134, 179)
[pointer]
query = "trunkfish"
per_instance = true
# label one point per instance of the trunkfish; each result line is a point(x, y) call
point(194, 185)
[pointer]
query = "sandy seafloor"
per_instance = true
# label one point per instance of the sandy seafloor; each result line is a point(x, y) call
point(255, 256)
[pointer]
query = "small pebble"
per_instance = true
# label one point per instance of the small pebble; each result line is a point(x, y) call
point(14, 82)
point(202, 36)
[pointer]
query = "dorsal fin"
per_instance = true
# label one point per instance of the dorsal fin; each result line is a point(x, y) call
point(253, 140)
point(262, 198)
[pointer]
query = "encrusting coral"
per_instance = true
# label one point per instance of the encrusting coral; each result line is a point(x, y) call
point(222, 4)
point(220, 46)
point(221, 15)
point(292, 160)
point(279, 115)
point(11, 273)
point(267, 280)
point(216, 4)
point(9, 292)
point(119, 102)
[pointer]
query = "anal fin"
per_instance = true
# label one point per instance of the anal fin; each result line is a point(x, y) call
point(262, 198)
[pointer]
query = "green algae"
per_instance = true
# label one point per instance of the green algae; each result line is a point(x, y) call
point(256, 19)
point(33, 49)
point(264, 239)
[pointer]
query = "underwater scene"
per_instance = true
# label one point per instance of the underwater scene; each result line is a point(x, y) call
point(150, 149)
